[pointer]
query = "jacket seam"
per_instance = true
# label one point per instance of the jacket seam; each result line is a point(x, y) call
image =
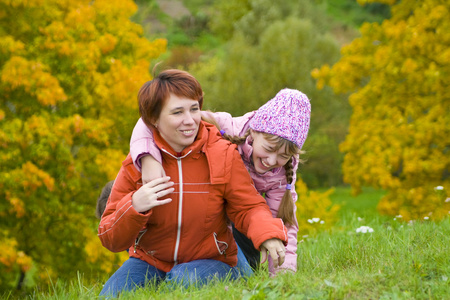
point(117, 220)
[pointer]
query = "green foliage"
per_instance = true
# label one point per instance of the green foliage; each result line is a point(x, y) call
point(226, 14)
point(351, 13)
point(281, 53)
point(70, 72)
point(398, 74)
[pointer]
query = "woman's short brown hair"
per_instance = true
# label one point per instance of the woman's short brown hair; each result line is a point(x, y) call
point(153, 94)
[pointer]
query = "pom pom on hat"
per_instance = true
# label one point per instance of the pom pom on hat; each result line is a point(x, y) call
point(286, 115)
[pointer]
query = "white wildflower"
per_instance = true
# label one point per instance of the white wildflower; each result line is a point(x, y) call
point(316, 220)
point(310, 221)
point(447, 200)
point(426, 218)
point(399, 216)
point(439, 188)
point(360, 219)
point(322, 222)
point(364, 229)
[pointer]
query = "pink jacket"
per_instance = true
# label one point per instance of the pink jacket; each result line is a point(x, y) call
point(272, 184)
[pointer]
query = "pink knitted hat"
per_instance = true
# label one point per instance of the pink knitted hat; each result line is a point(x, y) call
point(287, 115)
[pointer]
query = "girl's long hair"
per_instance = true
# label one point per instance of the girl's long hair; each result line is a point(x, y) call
point(286, 211)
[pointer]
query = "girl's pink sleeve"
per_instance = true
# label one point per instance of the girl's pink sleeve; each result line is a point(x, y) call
point(142, 144)
point(235, 126)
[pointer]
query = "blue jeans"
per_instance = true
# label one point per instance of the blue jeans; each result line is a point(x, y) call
point(136, 273)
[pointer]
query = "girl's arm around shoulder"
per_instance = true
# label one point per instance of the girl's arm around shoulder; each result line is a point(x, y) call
point(235, 126)
point(142, 144)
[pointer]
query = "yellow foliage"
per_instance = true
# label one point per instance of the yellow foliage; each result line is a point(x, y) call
point(10, 257)
point(70, 72)
point(398, 75)
point(9, 45)
point(315, 211)
point(32, 76)
point(17, 206)
point(99, 255)
point(109, 162)
point(33, 178)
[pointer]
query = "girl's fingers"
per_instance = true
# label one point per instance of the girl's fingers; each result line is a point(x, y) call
point(162, 202)
point(263, 255)
point(163, 193)
point(274, 256)
point(162, 189)
point(281, 257)
point(157, 181)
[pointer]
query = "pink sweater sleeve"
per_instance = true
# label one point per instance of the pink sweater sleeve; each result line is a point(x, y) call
point(142, 144)
point(235, 126)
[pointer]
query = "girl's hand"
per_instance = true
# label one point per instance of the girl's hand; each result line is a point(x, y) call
point(276, 249)
point(147, 196)
point(151, 169)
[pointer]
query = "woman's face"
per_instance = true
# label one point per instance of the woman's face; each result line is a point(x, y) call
point(178, 122)
point(265, 157)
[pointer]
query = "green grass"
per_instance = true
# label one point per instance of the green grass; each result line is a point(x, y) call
point(397, 261)
point(363, 205)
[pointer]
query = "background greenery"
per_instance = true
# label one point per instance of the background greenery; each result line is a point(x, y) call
point(243, 52)
point(69, 75)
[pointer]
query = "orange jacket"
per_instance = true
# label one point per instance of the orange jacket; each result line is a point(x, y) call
point(211, 185)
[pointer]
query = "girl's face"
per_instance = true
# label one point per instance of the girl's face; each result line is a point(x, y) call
point(178, 122)
point(265, 157)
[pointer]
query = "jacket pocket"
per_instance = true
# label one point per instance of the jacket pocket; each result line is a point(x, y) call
point(138, 238)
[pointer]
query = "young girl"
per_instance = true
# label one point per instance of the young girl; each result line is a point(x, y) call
point(270, 141)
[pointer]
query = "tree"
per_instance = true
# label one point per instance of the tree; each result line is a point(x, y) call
point(70, 72)
point(398, 74)
point(275, 45)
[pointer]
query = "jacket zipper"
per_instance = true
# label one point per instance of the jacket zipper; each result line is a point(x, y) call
point(180, 203)
point(180, 210)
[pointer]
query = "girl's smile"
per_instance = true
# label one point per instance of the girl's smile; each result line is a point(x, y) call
point(265, 154)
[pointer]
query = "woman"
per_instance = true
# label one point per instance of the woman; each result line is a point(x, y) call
point(185, 238)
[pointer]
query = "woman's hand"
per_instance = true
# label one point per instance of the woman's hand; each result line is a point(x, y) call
point(274, 248)
point(147, 196)
point(151, 169)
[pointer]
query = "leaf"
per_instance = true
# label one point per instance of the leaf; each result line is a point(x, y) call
point(70, 75)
